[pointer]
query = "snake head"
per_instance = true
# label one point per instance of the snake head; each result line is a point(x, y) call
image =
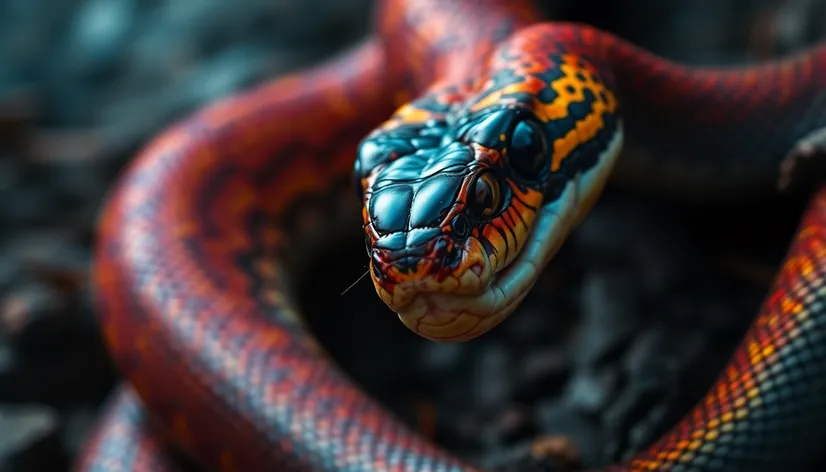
point(466, 196)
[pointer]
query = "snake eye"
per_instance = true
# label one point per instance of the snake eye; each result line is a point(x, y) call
point(527, 150)
point(485, 195)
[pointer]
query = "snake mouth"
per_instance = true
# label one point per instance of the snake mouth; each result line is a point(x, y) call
point(439, 314)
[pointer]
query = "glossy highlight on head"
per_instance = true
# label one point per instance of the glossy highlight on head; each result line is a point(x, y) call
point(470, 189)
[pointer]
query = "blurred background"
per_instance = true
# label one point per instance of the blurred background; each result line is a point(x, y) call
point(621, 336)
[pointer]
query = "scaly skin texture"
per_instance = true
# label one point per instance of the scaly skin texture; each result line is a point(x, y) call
point(202, 231)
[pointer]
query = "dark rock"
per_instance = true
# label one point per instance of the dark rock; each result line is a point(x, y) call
point(492, 377)
point(9, 270)
point(612, 310)
point(33, 315)
point(30, 440)
point(54, 380)
point(18, 110)
point(10, 174)
point(31, 206)
point(658, 352)
point(99, 32)
point(86, 324)
point(558, 418)
point(591, 390)
point(548, 313)
point(72, 182)
point(457, 427)
point(532, 323)
point(514, 424)
point(541, 373)
point(640, 242)
point(75, 427)
point(37, 252)
point(519, 459)
point(8, 358)
point(440, 359)
point(227, 71)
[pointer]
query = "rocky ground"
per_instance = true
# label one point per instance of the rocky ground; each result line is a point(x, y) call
point(620, 337)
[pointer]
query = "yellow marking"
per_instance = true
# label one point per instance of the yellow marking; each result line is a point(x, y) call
point(495, 238)
point(502, 137)
point(572, 89)
point(410, 114)
point(530, 84)
point(800, 264)
point(790, 306)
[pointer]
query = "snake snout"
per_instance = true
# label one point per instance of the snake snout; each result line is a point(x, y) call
point(416, 261)
point(440, 265)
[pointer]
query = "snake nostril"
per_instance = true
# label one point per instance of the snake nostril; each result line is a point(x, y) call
point(446, 251)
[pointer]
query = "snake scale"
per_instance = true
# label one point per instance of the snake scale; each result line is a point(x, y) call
point(480, 136)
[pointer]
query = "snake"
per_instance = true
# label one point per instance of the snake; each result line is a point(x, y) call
point(475, 136)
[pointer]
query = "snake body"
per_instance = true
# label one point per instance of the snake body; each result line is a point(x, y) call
point(502, 130)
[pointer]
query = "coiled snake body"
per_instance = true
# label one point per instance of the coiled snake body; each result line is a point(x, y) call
point(501, 133)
